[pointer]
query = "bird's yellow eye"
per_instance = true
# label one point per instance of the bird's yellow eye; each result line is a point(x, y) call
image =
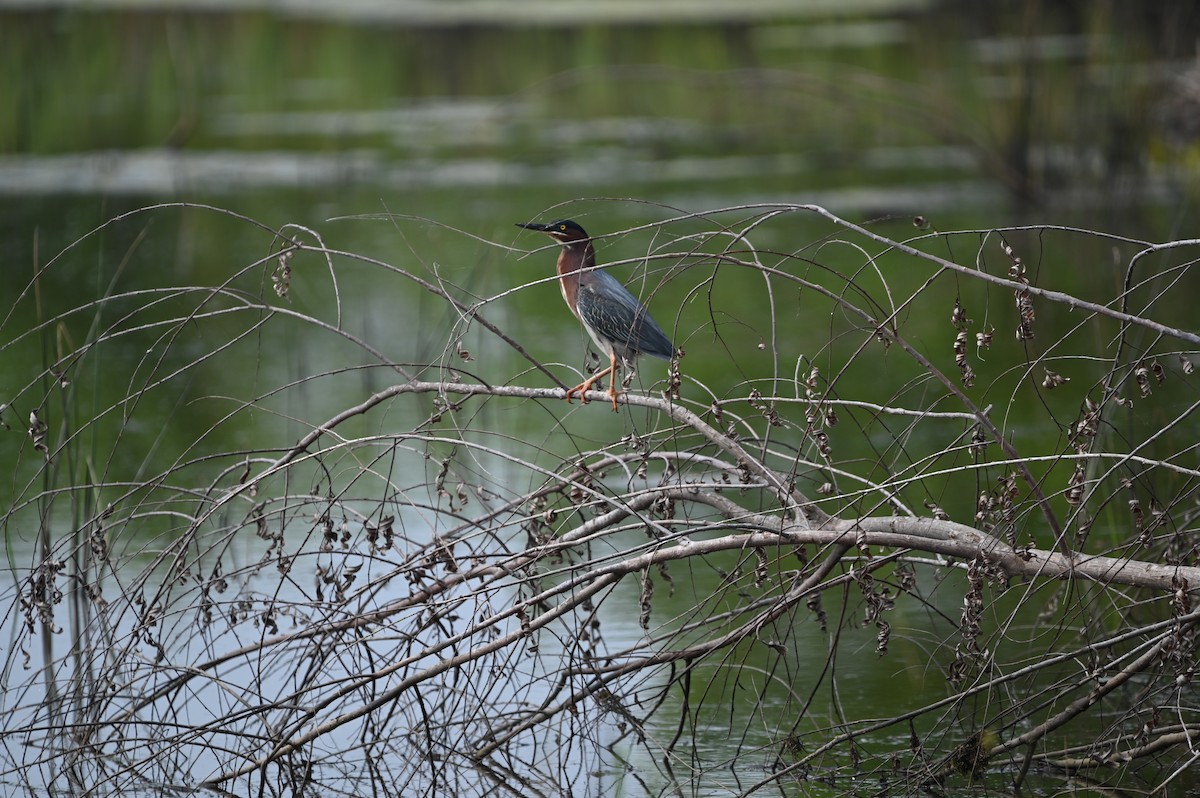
point(562, 227)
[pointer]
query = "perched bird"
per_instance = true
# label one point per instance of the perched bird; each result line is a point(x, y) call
point(614, 318)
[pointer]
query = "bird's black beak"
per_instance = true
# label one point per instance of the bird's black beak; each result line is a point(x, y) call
point(541, 228)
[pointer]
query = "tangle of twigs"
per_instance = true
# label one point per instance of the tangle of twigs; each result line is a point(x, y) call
point(264, 536)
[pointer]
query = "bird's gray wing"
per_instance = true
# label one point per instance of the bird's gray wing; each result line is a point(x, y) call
point(609, 309)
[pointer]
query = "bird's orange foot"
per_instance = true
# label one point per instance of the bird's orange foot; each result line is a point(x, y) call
point(585, 386)
point(581, 389)
point(612, 394)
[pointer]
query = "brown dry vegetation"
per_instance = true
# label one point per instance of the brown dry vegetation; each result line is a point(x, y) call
point(976, 445)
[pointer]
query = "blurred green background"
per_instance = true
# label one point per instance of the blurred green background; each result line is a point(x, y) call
point(461, 118)
point(868, 106)
point(476, 115)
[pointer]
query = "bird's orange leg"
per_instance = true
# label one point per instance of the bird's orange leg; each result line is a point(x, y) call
point(612, 382)
point(585, 386)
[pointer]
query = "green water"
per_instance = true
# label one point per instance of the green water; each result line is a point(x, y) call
point(421, 145)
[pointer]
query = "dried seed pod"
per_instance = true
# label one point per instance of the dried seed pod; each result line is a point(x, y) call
point(983, 508)
point(1075, 486)
point(979, 442)
point(281, 278)
point(1053, 379)
point(761, 568)
point(1026, 312)
point(674, 378)
point(960, 359)
point(812, 384)
point(37, 432)
point(958, 315)
point(644, 601)
point(882, 637)
point(1139, 526)
point(1141, 375)
point(1016, 273)
point(1088, 425)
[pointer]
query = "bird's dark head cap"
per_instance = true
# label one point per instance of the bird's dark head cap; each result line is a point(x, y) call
point(563, 230)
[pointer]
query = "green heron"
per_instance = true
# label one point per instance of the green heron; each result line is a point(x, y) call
point(614, 318)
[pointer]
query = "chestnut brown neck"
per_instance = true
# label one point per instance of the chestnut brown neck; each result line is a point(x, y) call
point(576, 255)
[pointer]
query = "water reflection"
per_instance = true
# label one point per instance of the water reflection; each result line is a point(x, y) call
point(175, 173)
